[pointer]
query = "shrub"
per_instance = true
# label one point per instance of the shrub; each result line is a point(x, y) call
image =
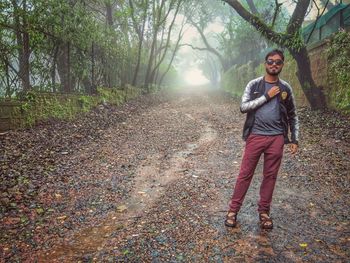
point(339, 70)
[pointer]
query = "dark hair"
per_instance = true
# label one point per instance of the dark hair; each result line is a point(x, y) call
point(275, 52)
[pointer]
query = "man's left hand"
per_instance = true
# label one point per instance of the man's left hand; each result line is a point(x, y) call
point(293, 148)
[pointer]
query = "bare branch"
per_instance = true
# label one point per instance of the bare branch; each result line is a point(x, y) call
point(196, 48)
point(318, 17)
point(277, 9)
point(206, 43)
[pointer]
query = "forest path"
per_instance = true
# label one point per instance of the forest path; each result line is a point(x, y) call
point(154, 187)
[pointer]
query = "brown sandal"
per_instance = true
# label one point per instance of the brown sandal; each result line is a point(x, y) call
point(265, 221)
point(231, 219)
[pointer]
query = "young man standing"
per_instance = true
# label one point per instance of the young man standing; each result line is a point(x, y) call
point(270, 107)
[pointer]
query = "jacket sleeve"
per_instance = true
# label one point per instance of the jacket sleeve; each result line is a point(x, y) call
point(293, 120)
point(249, 104)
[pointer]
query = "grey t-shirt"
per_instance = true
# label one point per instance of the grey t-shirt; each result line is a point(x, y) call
point(267, 117)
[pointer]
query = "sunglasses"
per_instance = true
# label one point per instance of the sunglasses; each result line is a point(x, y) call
point(270, 62)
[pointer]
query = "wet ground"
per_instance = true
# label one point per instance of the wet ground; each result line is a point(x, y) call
point(150, 182)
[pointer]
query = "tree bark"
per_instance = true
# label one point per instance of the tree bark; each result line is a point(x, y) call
point(109, 67)
point(22, 37)
point(63, 67)
point(298, 16)
point(109, 16)
point(252, 7)
point(53, 68)
point(93, 89)
point(313, 93)
point(167, 41)
point(140, 34)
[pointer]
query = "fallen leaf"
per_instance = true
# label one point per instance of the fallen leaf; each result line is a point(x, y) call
point(121, 208)
point(61, 217)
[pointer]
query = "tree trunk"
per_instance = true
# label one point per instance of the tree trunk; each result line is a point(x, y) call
point(313, 93)
point(139, 53)
point(53, 69)
point(157, 21)
point(252, 7)
point(63, 67)
point(176, 48)
point(22, 38)
point(140, 34)
point(109, 16)
point(150, 60)
point(110, 64)
point(8, 89)
point(161, 59)
point(93, 89)
point(25, 62)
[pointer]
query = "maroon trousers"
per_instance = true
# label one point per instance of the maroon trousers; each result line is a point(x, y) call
point(272, 148)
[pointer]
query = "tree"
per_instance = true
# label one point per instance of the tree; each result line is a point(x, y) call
point(290, 39)
point(161, 11)
point(76, 46)
point(200, 16)
point(329, 4)
point(140, 31)
point(22, 37)
point(211, 69)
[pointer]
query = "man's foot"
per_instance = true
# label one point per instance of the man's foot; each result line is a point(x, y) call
point(231, 219)
point(265, 221)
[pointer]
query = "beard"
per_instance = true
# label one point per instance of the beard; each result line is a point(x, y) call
point(273, 71)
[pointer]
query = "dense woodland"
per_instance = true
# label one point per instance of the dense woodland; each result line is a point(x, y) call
point(69, 46)
point(79, 45)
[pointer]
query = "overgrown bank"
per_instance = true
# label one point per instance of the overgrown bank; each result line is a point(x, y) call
point(38, 106)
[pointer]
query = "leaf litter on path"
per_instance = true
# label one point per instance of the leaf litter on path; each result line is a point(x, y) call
point(63, 180)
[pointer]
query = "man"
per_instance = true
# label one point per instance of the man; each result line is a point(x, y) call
point(270, 107)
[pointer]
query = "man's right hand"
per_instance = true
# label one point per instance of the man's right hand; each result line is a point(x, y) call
point(273, 91)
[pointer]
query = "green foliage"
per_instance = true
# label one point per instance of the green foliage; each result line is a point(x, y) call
point(36, 106)
point(86, 102)
point(294, 42)
point(73, 46)
point(112, 96)
point(339, 70)
point(42, 106)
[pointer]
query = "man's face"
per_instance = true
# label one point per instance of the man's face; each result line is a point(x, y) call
point(274, 65)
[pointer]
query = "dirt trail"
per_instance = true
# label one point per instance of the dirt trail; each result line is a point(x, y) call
point(155, 188)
